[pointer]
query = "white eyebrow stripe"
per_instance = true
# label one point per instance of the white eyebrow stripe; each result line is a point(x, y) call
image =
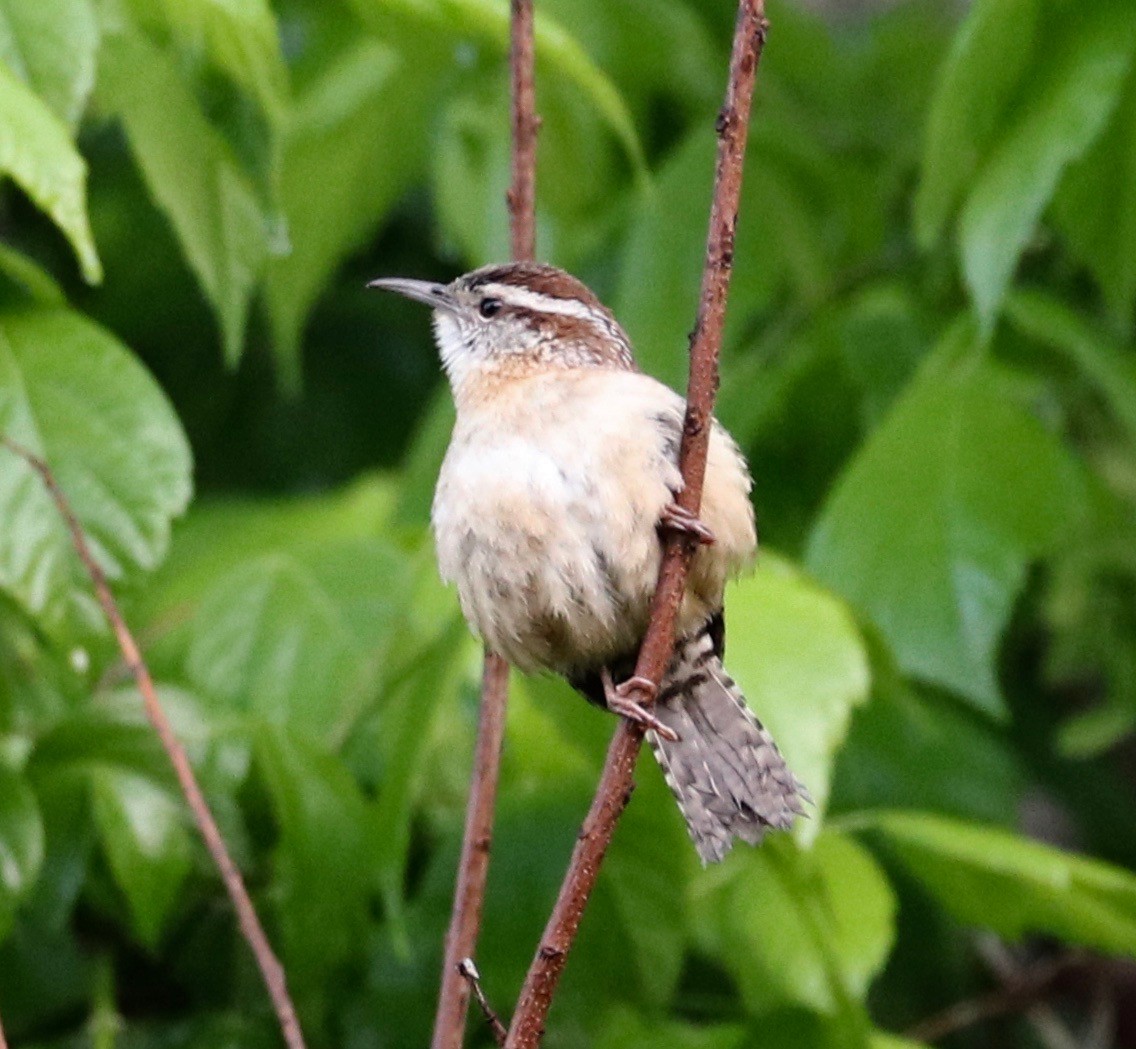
point(523, 297)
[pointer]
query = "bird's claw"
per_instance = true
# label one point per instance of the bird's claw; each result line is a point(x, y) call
point(675, 519)
point(620, 701)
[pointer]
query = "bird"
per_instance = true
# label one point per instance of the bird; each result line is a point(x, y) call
point(560, 475)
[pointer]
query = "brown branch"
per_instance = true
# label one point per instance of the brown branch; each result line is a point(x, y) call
point(1020, 991)
point(3, 1040)
point(521, 197)
point(270, 968)
point(473, 866)
point(615, 785)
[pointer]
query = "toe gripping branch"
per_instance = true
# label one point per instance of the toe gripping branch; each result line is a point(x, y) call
point(620, 701)
point(682, 522)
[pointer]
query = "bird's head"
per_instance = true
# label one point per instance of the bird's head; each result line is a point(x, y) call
point(515, 318)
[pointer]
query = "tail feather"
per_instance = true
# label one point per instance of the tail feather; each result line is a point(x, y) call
point(726, 772)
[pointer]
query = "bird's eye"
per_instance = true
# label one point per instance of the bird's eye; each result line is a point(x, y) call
point(489, 307)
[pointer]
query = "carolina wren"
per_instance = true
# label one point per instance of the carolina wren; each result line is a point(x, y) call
point(561, 470)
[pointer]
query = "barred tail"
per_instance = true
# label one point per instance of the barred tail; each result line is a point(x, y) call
point(726, 772)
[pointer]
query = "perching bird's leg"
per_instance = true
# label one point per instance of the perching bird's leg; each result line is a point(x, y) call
point(675, 519)
point(619, 701)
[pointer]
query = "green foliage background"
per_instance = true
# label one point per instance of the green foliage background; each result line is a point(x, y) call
point(929, 361)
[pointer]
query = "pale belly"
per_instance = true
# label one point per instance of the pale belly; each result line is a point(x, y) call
point(554, 564)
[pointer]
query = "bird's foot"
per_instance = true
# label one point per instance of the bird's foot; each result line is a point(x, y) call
point(675, 519)
point(619, 701)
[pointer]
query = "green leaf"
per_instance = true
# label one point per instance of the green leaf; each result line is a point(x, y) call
point(28, 283)
point(21, 843)
point(144, 833)
point(321, 859)
point(361, 118)
point(801, 663)
point(298, 640)
point(1084, 72)
point(405, 726)
point(1095, 208)
point(192, 177)
point(625, 1027)
point(73, 395)
point(1108, 366)
point(794, 927)
point(649, 861)
point(932, 525)
point(1015, 886)
point(777, 242)
point(36, 150)
point(470, 175)
point(987, 60)
point(240, 36)
point(51, 46)
point(907, 749)
point(486, 21)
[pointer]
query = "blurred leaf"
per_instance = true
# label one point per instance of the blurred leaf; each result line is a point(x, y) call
point(625, 1027)
point(485, 21)
point(72, 394)
point(29, 283)
point(777, 243)
point(362, 118)
point(36, 150)
point(934, 521)
point(800, 661)
point(405, 726)
point(657, 294)
point(218, 536)
point(51, 46)
point(650, 861)
point(1084, 72)
point(987, 60)
point(470, 174)
point(1109, 367)
point(1095, 207)
point(908, 749)
point(1014, 886)
point(191, 175)
point(678, 57)
point(144, 833)
point(297, 640)
point(793, 927)
point(241, 37)
point(21, 843)
point(424, 460)
point(321, 861)
point(882, 338)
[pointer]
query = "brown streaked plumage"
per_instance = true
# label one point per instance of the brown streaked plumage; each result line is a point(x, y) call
point(561, 469)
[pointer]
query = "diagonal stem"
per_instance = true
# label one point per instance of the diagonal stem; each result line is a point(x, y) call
point(270, 968)
point(615, 785)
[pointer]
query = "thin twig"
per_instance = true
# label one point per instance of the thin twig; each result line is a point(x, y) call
point(615, 785)
point(270, 968)
point(473, 866)
point(521, 197)
point(1020, 991)
point(469, 972)
point(3, 1040)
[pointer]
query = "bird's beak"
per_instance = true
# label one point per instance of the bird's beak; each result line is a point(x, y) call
point(436, 295)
